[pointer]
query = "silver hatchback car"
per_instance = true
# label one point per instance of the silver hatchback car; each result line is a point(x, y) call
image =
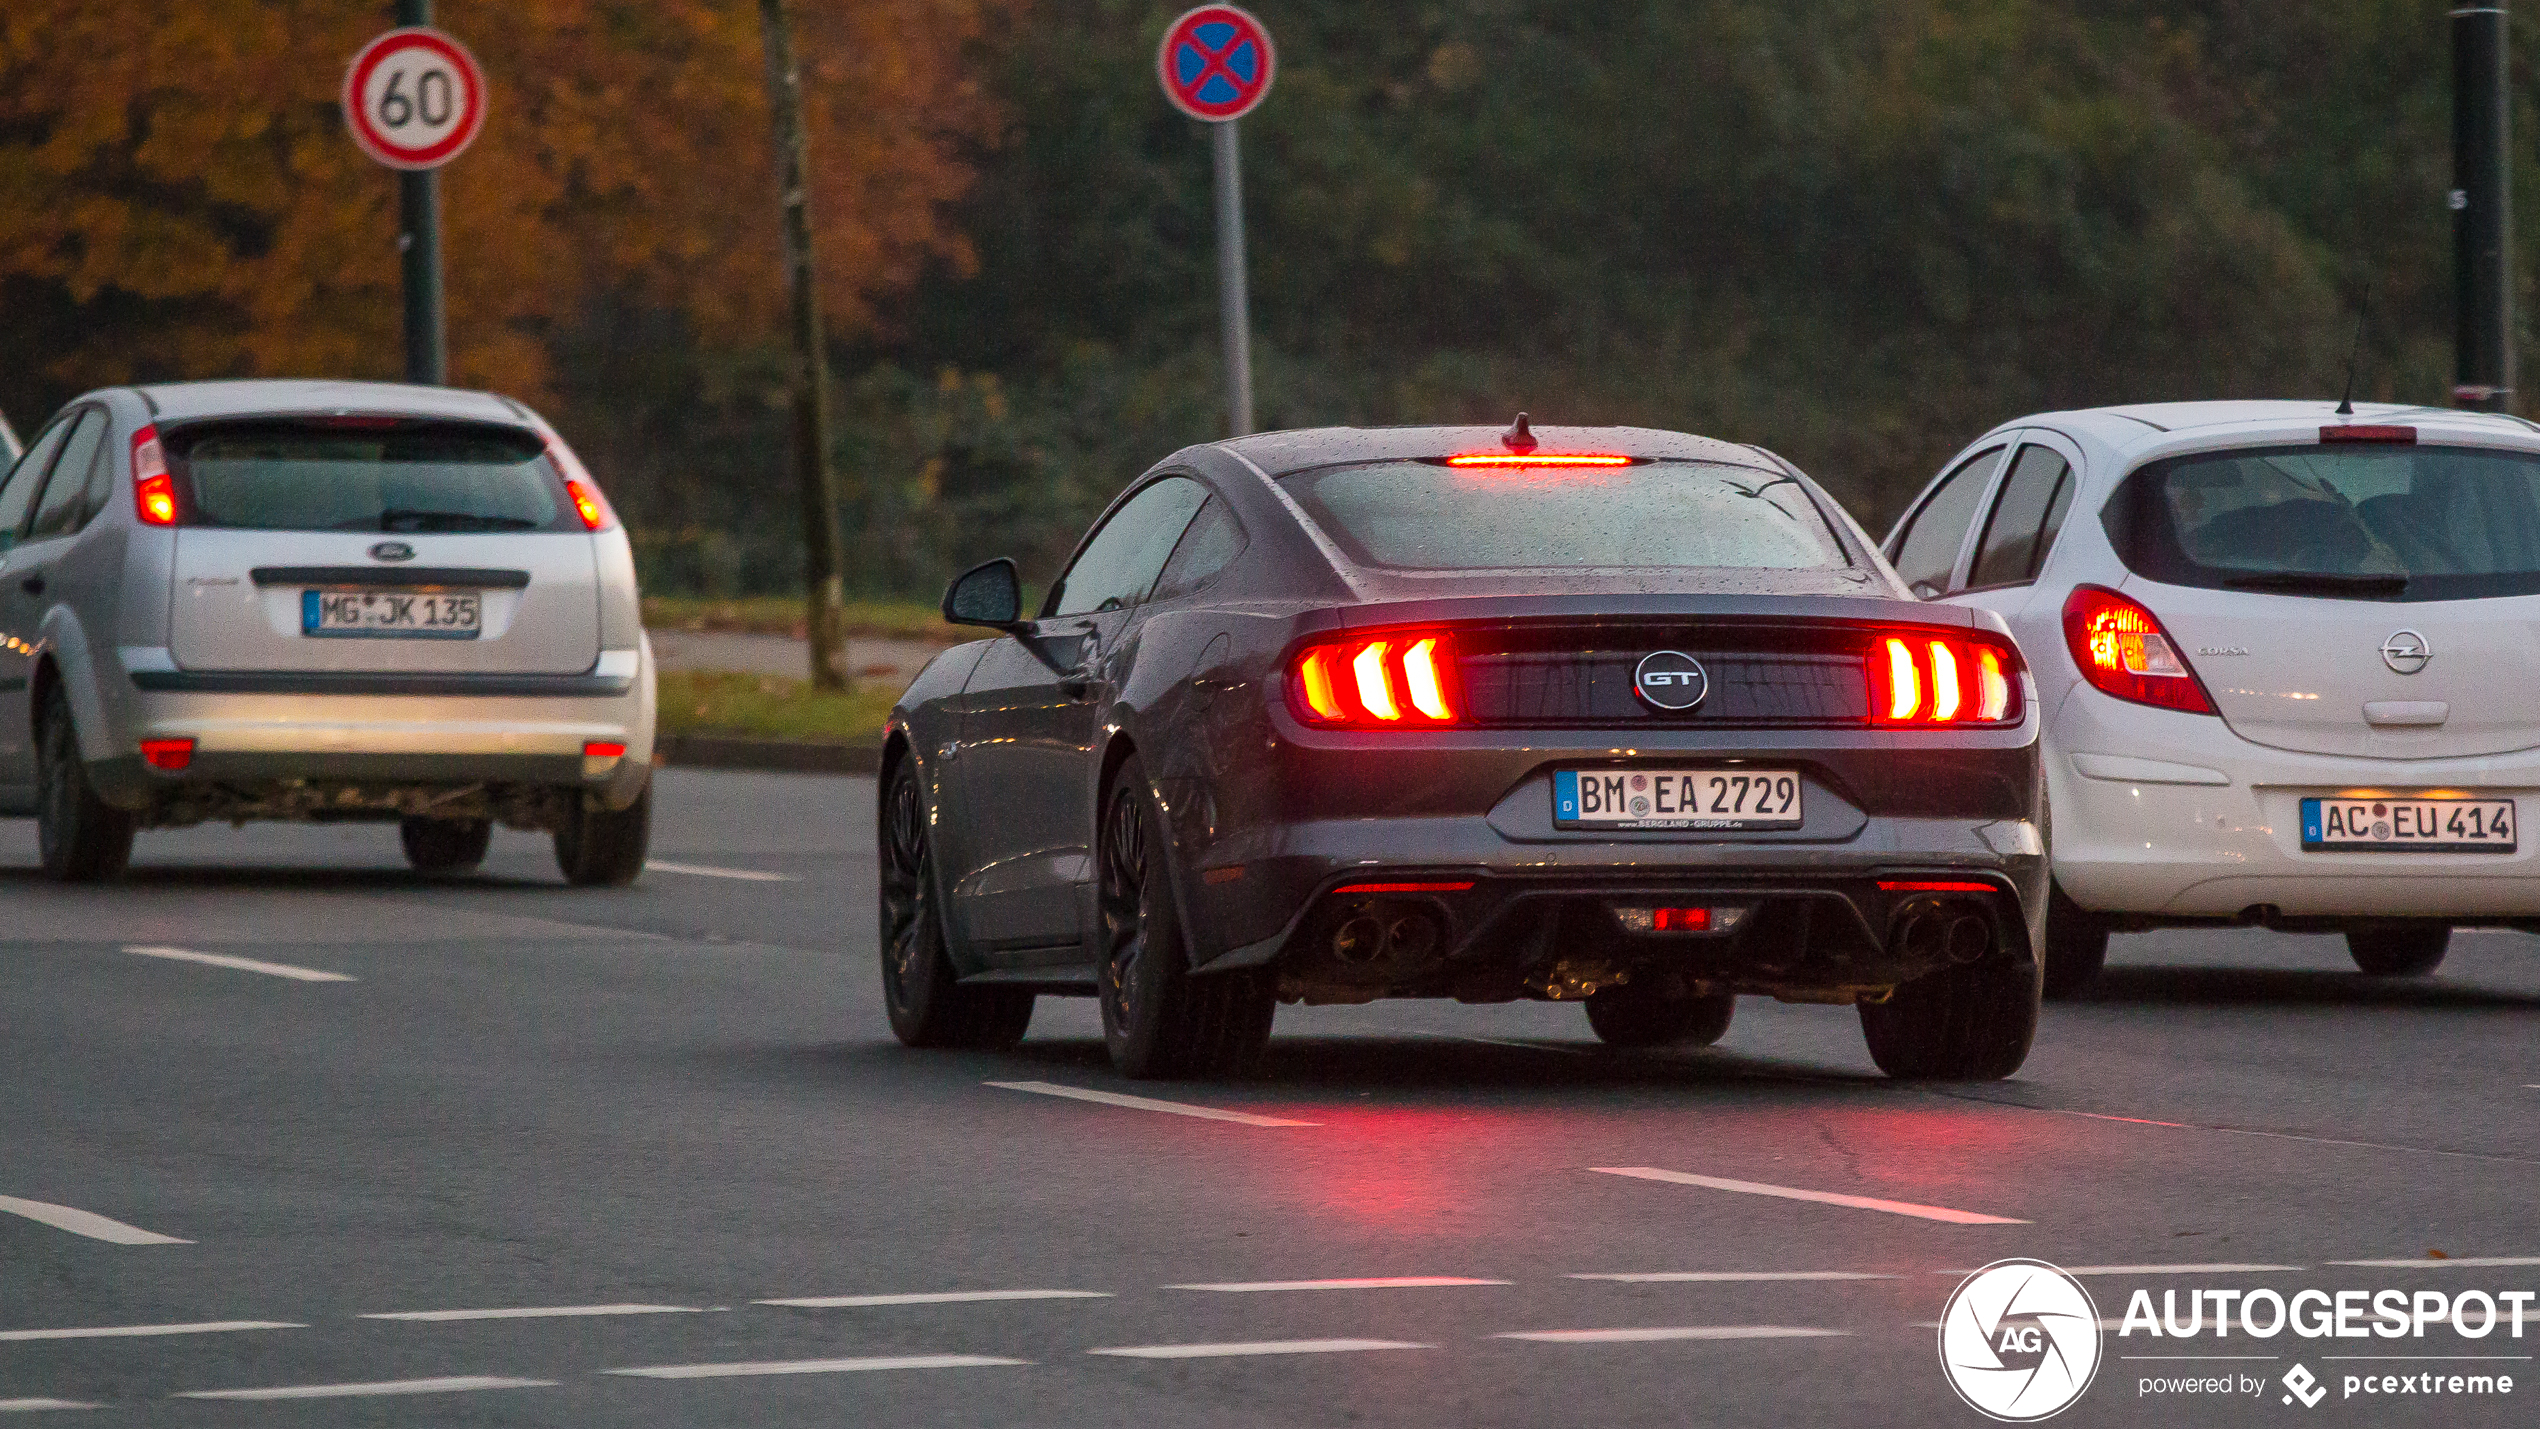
point(319, 601)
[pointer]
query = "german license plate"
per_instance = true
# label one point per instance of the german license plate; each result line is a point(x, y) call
point(393, 614)
point(2409, 825)
point(1675, 798)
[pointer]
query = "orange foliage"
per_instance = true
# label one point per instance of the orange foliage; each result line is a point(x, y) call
point(191, 156)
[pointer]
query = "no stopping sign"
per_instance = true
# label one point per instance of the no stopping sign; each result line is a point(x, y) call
point(1216, 63)
point(414, 98)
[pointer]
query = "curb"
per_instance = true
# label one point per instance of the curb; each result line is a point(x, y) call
point(786, 756)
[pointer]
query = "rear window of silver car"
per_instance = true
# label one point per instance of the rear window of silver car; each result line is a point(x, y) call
point(2362, 521)
point(413, 477)
point(1422, 516)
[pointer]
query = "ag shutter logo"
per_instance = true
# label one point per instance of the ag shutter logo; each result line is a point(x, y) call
point(2020, 1341)
point(1671, 680)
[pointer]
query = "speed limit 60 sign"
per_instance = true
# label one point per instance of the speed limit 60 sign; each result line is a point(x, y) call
point(414, 98)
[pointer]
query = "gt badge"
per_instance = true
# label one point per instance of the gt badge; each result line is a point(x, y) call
point(1670, 680)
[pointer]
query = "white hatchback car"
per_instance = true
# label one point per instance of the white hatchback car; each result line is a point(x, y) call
point(319, 601)
point(2289, 659)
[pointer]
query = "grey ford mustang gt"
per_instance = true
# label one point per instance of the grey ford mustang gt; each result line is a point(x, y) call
point(1610, 715)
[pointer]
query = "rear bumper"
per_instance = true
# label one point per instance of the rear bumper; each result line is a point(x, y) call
point(410, 731)
point(2162, 815)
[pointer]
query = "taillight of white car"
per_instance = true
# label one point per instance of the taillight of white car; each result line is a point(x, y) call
point(2122, 651)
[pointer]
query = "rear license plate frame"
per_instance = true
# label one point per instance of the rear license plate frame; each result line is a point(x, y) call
point(1660, 788)
point(315, 602)
point(2322, 833)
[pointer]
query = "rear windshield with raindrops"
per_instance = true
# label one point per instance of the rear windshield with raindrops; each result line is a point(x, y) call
point(1421, 516)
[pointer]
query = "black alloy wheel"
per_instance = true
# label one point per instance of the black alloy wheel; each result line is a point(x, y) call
point(920, 991)
point(1634, 1016)
point(2076, 946)
point(80, 837)
point(445, 845)
point(2398, 949)
point(1158, 1018)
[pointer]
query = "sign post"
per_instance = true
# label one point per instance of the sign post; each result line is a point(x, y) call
point(1216, 63)
point(414, 99)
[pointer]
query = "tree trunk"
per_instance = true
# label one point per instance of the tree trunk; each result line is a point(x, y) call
point(824, 582)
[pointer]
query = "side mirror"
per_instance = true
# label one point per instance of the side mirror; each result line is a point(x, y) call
point(989, 595)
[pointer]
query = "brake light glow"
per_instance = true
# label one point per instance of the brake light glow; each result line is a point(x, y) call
point(153, 490)
point(2356, 432)
point(1420, 672)
point(1394, 682)
point(587, 504)
point(1935, 886)
point(2122, 651)
point(1945, 693)
point(171, 755)
point(1509, 459)
point(1904, 684)
point(1993, 686)
point(1402, 888)
point(1926, 681)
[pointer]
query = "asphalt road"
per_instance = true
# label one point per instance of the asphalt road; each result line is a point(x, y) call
point(678, 1103)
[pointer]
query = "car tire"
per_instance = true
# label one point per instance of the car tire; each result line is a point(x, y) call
point(445, 845)
point(1972, 1023)
point(605, 848)
point(920, 989)
point(1159, 1019)
point(2398, 949)
point(81, 838)
point(2076, 946)
point(1630, 1016)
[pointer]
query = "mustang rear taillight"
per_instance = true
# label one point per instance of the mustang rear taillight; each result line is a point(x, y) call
point(1401, 680)
point(2123, 651)
point(1929, 680)
point(153, 490)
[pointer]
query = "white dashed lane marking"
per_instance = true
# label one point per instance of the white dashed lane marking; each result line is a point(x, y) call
point(2473, 1262)
point(841, 1366)
point(87, 1223)
point(931, 1297)
point(1205, 1113)
point(1793, 1193)
point(244, 965)
point(1390, 1282)
point(1674, 1277)
point(120, 1332)
point(1241, 1348)
point(699, 870)
point(13, 1406)
point(450, 1384)
point(2219, 1268)
point(1645, 1334)
point(533, 1312)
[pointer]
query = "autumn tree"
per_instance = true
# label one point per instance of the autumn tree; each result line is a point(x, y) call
point(178, 197)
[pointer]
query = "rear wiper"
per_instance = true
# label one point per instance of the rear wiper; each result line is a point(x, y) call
point(2324, 581)
point(402, 519)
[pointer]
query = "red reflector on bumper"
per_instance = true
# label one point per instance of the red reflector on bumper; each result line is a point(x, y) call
point(1938, 888)
point(1680, 920)
point(1403, 888)
point(171, 755)
point(601, 749)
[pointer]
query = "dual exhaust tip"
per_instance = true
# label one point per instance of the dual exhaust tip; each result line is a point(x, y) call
point(1954, 932)
point(1384, 936)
